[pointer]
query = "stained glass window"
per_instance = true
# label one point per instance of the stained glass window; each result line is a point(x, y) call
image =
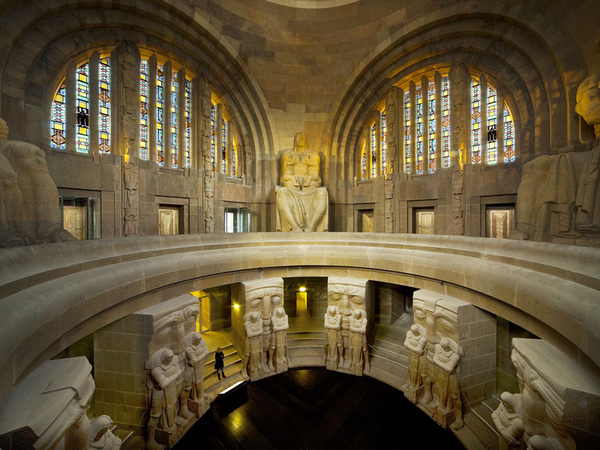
point(383, 144)
point(407, 147)
point(160, 78)
point(445, 122)
point(492, 151)
point(224, 146)
point(213, 133)
point(509, 136)
point(174, 128)
point(431, 110)
point(83, 108)
point(234, 157)
point(374, 151)
point(364, 164)
point(188, 123)
point(58, 122)
point(419, 102)
point(475, 122)
point(104, 105)
point(144, 109)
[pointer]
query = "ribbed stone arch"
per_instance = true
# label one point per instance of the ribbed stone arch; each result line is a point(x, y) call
point(56, 294)
point(41, 50)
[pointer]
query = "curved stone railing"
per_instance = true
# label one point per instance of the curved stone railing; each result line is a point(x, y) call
point(52, 295)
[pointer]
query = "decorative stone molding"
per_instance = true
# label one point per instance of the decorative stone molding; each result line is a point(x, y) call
point(555, 394)
point(208, 185)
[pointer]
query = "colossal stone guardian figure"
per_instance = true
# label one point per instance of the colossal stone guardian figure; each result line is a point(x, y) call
point(196, 352)
point(447, 357)
point(253, 351)
point(302, 204)
point(334, 343)
point(415, 342)
point(358, 343)
point(29, 212)
point(558, 197)
point(280, 327)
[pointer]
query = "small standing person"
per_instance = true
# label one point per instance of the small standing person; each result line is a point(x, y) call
point(219, 357)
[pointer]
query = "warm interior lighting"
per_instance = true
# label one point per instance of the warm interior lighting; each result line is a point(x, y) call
point(230, 388)
point(302, 289)
point(236, 306)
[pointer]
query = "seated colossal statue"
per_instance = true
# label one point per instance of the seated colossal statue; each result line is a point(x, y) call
point(302, 203)
point(558, 196)
point(29, 212)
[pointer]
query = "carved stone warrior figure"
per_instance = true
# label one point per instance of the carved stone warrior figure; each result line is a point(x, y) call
point(253, 347)
point(280, 326)
point(358, 343)
point(196, 352)
point(415, 342)
point(29, 212)
point(508, 420)
point(164, 375)
point(334, 342)
point(559, 197)
point(100, 436)
point(447, 357)
point(302, 204)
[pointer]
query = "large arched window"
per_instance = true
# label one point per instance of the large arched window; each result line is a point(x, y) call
point(424, 117)
point(82, 114)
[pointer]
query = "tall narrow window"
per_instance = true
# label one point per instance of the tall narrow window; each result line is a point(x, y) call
point(509, 136)
point(419, 101)
point(374, 150)
point(475, 122)
point(445, 122)
point(224, 146)
point(213, 134)
point(160, 78)
point(431, 110)
point(58, 122)
point(363, 161)
point(174, 128)
point(492, 151)
point(234, 158)
point(83, 108)
point(383, 144)
point(144, 109)
point(188, 122)
point(104, 105)
point(407, 147)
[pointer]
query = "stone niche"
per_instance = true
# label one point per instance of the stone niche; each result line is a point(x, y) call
point(451, 352)
point(558, 403)
point(265, 324)
point(149, 370)
point(348, 324)
point(48, 410)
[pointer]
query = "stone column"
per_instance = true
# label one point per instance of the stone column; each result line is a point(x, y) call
point(348, 295)
point(208, 187)
point(393, 101)
point(457, 358)
point(263, 299)
point(459, 118)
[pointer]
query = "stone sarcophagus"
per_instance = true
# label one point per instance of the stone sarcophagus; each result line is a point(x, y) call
point(448, 337)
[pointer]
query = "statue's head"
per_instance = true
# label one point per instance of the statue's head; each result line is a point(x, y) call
point(332, 310)
point(196, 338)
point(300, 140)
point(588, 99)
point(415, 329)
point(166, 357)
point(3, 129)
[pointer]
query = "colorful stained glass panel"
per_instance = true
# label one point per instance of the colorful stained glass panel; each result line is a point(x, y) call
point(432, 125)
point(144, 91)
point(104, 105)
point(58, 122)
point(475, 122)
point(445, 122)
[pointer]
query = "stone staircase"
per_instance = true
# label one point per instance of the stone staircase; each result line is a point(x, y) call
point(233, 365)
point(306, 348)
point(479, 431)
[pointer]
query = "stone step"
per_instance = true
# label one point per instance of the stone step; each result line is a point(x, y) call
point(393, 356)
point(481, 429)
point(306, 342)
point(468, 439)
point(391, 346)
point(213, 386)
point(301, 334)
point(306, 356)
point(209, 365)
point(231, 371)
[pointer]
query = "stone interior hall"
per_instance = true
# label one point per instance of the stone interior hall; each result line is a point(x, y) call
point(299, 224)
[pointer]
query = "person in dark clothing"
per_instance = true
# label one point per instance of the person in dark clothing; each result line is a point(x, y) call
point(219, 357)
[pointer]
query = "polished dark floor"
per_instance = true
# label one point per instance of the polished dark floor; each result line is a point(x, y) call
point(316, 409)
